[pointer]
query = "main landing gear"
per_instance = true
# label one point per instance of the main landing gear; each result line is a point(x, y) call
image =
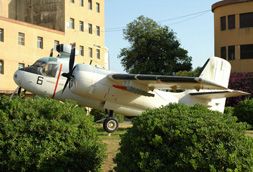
point(110, 123)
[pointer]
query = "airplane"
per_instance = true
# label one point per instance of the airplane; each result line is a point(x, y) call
point(127, 94)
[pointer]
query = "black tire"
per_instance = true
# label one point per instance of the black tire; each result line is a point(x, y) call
point(110, 124)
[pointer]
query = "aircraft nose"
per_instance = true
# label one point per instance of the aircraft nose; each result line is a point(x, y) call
point(18, 75)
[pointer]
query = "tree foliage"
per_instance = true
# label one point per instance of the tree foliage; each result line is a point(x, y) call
point(153, 49)
point(46, 135)
point(191, 73)
point(182, 138)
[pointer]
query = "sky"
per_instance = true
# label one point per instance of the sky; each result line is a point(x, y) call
point(192, 21)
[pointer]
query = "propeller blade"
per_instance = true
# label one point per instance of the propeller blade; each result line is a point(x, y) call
point(51, 53)
point(69, 75)
point(66, 83)
point(72, 57)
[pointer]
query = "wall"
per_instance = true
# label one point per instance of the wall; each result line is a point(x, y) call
point(12, 53)
point(237, 36)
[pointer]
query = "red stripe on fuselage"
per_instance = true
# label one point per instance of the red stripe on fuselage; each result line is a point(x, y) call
point(57, 81)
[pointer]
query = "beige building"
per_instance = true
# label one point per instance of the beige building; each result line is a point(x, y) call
point(30, 28)
point(233, 33)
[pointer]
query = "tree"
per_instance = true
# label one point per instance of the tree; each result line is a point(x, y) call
point(154, 49)
point(191, 73)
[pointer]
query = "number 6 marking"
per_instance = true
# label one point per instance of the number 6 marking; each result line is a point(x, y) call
point(40, 80)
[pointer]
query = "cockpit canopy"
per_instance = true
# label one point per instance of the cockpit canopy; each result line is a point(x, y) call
point(43, 67)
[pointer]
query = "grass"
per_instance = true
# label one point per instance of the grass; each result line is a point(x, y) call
point(249, 133)
point(112, 144)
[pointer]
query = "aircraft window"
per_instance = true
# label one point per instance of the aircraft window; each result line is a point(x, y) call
point(50, 70)
point(39, 64)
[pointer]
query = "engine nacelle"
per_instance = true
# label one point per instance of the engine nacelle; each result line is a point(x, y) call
point(83, 79)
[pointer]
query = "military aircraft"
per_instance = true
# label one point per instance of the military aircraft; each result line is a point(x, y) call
point(127, 94)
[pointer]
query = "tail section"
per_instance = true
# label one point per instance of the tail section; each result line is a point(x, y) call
point(217, 70)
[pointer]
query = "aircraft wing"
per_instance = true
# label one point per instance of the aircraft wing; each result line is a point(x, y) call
point(151, 82)
point(219, 94)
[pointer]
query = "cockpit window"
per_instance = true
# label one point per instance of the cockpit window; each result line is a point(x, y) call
point(39, 64)
point(50, 70)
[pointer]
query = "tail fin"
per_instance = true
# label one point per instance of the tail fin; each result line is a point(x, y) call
point(217, 70)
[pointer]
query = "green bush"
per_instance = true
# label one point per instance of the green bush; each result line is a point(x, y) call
point(98, 114)
point(46, 135)
point(181, 138)
point(229, 110)
point(244, 111)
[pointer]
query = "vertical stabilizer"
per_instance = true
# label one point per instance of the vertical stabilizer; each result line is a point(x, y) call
point(217, 70)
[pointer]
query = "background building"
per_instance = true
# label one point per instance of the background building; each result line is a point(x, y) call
point(30, 28)
point(233, 29)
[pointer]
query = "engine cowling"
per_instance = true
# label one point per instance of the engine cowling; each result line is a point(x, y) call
point(83, 79)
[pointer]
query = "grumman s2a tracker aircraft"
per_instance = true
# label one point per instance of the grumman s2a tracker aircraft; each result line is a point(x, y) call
point(127, 94)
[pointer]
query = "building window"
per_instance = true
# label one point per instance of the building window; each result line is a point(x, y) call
point(81, 50)
point(21, 65)
point(1, 35)
point(90, 4)
point(223, 23)
point(98, 30)
point(98, 53)
point(81, 26)
point(98, 7)
point(81, 3)
point(246, 20)
point(90, 28)
point(72, 1)
point(231, 52)
point(223, 52)
point(21, 38)
point(40, 42)
point(90, 52)
point(1, 67)
point(55, 44)
point(72, 23)
point(246, 51)
point(231, 22)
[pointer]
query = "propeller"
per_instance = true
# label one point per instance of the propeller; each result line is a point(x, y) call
point(70, 75)
point(51, 52)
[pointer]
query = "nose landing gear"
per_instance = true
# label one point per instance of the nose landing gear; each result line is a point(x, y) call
point(110, 124)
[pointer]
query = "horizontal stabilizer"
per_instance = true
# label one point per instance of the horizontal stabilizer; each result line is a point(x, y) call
point(218, 94)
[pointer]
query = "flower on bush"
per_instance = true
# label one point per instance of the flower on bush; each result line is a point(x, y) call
point(242, 82)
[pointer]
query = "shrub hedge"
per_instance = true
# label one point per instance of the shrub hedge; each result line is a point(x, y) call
point(244, 111)
point(181, 138)
point(46, 135)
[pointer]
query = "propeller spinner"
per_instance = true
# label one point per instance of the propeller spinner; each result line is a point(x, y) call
point(70, 75)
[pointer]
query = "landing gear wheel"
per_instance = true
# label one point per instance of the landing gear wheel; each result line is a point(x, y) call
point(110, 124)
